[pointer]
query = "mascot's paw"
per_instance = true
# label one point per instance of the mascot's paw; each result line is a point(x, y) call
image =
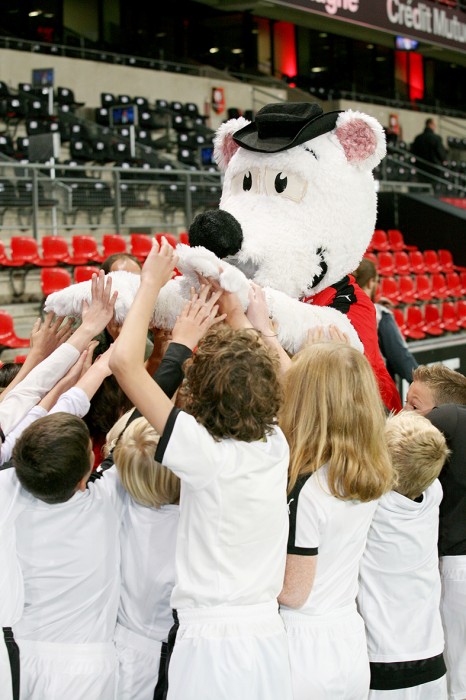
point(233, 280)
point(197, 260)
point(69, 301)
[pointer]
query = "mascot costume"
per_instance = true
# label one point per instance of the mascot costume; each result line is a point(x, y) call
point(297, 212)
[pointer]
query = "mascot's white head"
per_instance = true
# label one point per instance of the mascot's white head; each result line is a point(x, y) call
point(299, 204)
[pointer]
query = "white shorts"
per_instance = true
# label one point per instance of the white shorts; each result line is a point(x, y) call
point(230, 653)
point(453, 610)
point(54, 671)
point(328, 655)
point(434, 690)
point(138, 665)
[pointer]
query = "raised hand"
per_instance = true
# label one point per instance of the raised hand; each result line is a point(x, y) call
point(49, 334)
point(159, 265)
point(199, 314)
point(97, 314)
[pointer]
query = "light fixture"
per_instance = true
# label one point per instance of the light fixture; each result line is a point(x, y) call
point(369, 46)
point(323, 35)
point(214, 49)
point(318, 69)
point(237, 51)
point(35, 13)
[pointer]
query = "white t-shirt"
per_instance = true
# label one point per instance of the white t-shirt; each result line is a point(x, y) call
point(13, 500)
point(334, 529)
point(231, 546)
point(70, 557)
point(148, 542)
point(399, 584)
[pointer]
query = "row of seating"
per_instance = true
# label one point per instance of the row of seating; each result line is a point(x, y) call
point(407, 289)
point(417, 322)
point(414, 262)
point(55, 250)
point(392, 240)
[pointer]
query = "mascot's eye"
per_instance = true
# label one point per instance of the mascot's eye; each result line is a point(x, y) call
point(287, 185)
point(247, 182)
point(281, 182)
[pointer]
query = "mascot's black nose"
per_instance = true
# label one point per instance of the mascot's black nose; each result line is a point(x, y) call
point(218, 231)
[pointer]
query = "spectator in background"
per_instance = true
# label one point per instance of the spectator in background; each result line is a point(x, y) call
point(428, 146)
point(393, 347)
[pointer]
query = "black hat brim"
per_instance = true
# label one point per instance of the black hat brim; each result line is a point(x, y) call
point(248, 138)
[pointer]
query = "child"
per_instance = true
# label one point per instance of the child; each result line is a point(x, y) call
point(32, 386)
point(148, 540)
point(333, 418)
point(232, 462)
point(399, 581)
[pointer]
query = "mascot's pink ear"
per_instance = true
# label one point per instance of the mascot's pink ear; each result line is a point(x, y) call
point(224, 146)
point(362, 139)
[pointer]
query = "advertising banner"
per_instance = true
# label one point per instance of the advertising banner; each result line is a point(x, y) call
point(425, 20)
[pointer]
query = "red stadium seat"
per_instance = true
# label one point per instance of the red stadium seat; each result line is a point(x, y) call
point(171, 239)
point(432, 321)
point(417, 262)
point(407, 290)
point(445, 259)
point(450, 317)
point(52, 279)
point(423, 287)
point(397, 242)
point(184, 238)
point(4, 259)
point(439, 286)
point(24, 251)
point(402, 263)
point(388, 289)
point(8, 337)
point(369, 256)
point(140, 245)
point(20, 359)
point(85, 250)
point(454, 286)
point(386, 264)
point(431, 261)
point(461, 313)
point(400, 320)
point(415, 323)
point(379, 241)
point(113, 243)
point(82, 273)
point(463, 283)
point(55, 250)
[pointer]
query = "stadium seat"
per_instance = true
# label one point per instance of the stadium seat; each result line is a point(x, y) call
point(423, 287)
point(140, 245)
point(113, 243)
point(386, 264)
point(454, 286)
point(450, 317)
point(52, 279)
point(8, 337)
point(388, 289)
point(402, 263)
point(432, 321)
point(85, 250)
point(415, 323)
point(400, 320)
point(461, 313)
point(171, 239)
point(439, 286)
point(25, 251)
point(407, 290)
point(20, 359)
point(462, 282)
point(397, 242)
point(83, 273)
point(379, 241)
point(431, 261)
point(4, 259)
point(369, 256)
point(184, 238)
point(445, 260)
point(417, 262)
point(55, 250)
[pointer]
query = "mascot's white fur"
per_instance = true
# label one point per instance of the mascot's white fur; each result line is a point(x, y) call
point(302, 198)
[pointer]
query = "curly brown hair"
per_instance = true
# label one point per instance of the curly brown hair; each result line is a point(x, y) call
point(232, 385)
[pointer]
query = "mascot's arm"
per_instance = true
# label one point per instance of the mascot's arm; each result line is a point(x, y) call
point(294, 318)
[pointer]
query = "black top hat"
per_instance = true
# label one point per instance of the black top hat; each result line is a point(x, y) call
point(283, 125)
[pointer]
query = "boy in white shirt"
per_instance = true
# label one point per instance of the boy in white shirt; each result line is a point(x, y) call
point(17, 403)
point(232, 461)
point(399, 580)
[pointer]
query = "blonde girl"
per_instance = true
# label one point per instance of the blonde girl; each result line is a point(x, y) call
point(333, 418)
point(148, 538)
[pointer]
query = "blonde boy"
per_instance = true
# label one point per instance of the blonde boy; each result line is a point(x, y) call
point(399, 585)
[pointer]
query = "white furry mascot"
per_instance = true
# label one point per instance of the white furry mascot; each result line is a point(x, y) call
point(297, 212)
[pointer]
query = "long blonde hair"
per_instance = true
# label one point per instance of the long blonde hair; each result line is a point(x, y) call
point(333, 414)
point(147, 482)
